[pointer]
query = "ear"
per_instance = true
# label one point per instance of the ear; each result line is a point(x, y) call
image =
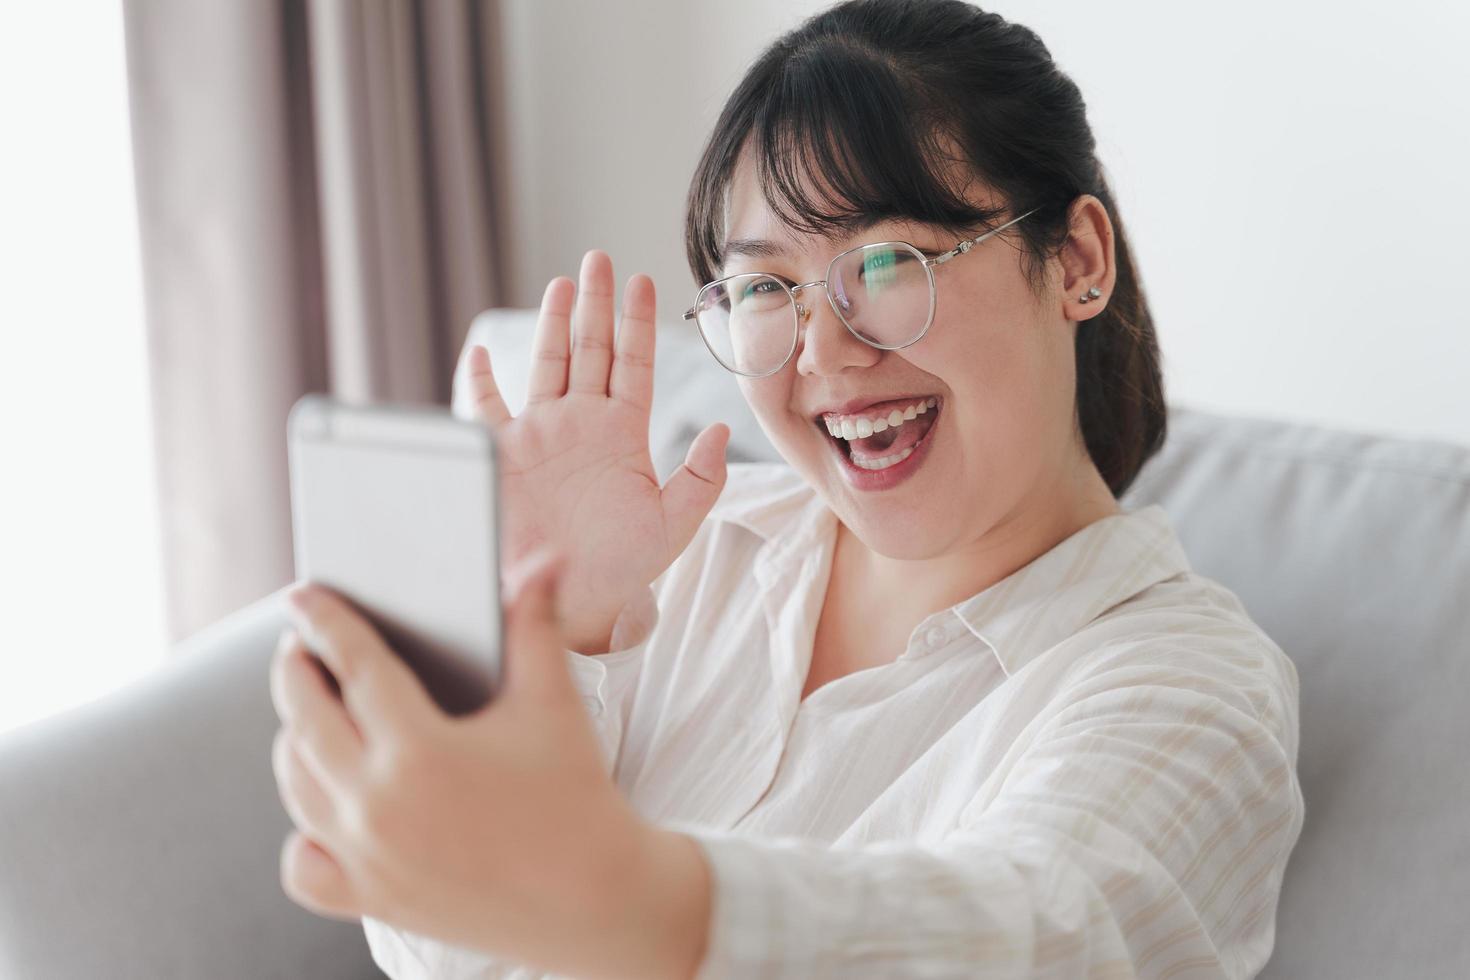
point(1087, 258)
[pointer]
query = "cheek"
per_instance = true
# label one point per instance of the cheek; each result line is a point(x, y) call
point(1003, 390)
point(769, 400)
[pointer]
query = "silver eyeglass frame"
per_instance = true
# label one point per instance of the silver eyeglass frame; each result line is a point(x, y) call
point(799, 312)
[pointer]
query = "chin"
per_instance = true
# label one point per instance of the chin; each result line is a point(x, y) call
point(898, 519)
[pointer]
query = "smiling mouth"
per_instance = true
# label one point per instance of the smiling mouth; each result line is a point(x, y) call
point(875, 440)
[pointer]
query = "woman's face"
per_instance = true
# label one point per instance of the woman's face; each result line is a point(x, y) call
point(997, 448)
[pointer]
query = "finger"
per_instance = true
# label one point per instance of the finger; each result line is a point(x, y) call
point(550, 350)
point(592, 326)
point(312, 878)
point(688, 495)
point(632, 369)
point(535, 659)
point(306, 802)
point(379, 689)
point(325, 736)
point(489, 405)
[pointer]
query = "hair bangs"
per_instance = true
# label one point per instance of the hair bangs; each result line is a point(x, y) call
point(842, 143)
point(840, 139)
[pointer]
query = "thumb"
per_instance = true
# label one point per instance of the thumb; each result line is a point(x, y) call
point(535, 661)
point(695, 486)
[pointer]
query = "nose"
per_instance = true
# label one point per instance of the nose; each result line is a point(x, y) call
point(824, 345)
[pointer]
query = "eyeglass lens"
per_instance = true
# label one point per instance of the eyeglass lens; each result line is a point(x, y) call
point(884, 292)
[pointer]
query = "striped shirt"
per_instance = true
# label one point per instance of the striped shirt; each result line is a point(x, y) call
point(1087, 769)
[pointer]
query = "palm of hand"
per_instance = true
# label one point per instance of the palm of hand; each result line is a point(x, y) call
point(575, 468)
point(583, 481)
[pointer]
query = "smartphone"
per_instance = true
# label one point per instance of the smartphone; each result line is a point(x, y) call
point(396, 508)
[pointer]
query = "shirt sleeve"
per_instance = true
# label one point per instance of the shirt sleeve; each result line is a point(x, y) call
point(606, 682)
point(404, 955)
point(1143, 831)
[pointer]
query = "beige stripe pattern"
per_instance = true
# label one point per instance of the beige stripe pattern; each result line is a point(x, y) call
point(1086, 770)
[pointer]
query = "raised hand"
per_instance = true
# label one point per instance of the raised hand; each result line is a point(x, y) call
point(575, 468)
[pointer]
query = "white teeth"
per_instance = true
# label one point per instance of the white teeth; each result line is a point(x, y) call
point(861, 428)
point(894, 418)
point(882, 462)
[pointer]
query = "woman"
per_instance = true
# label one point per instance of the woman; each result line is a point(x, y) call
point(924, 701)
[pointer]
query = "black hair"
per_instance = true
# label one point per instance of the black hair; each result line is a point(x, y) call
point(891, 109)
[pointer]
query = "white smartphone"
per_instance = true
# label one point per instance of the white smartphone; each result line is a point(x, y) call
point(396, 508)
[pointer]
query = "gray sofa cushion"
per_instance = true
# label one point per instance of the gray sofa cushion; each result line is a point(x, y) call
point(1352, 551)
point(140, 834)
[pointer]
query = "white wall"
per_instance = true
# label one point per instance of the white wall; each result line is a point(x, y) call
point(1290, 175)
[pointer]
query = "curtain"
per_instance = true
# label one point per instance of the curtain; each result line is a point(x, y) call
point(316, 194)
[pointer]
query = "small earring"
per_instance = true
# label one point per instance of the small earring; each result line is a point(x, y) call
point(1092, 293)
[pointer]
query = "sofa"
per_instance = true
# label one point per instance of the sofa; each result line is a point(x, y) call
point(140, 833)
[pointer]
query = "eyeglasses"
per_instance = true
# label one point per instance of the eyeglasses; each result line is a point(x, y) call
point(883, 293)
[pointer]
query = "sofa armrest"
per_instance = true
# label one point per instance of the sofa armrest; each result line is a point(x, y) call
point(140, 834)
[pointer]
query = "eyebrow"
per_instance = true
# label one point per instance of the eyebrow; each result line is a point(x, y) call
point(765, 248)
point(755, 247)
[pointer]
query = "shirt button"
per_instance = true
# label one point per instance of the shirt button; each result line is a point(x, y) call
point(594, 706)
point(933, 637)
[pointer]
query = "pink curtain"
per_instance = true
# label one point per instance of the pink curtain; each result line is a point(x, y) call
point(316, 183)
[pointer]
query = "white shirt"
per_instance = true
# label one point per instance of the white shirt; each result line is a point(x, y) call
point(1087, 769)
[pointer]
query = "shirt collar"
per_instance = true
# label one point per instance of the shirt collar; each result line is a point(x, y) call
point(1024, 614)
point(1042, 603)
point(771, 499)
